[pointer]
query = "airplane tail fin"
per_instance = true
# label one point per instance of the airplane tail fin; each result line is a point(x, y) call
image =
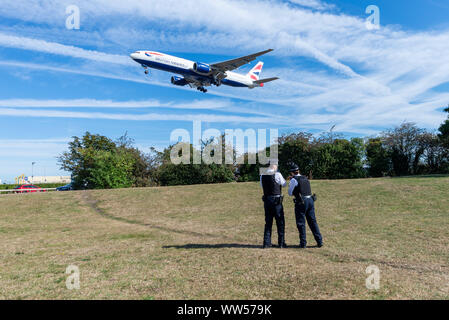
point(255, 72)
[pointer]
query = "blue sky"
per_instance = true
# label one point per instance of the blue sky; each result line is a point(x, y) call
point(57, 83)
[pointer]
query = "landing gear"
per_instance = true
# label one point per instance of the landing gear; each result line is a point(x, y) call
point(146, 69)
point(217, 78)
point(202, 89)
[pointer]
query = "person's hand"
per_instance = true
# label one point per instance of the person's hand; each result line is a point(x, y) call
point(289, 177)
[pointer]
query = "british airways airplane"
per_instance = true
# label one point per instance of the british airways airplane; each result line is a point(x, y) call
point(199, 75)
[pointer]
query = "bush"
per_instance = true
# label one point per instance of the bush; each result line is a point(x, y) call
point(110, 170)
point(337, 160)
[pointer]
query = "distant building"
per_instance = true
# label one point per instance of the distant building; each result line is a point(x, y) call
point(22, 179)
point(49, 179)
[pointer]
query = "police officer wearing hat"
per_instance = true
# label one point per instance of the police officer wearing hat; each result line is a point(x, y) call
point(272, 183)
point(299, 187)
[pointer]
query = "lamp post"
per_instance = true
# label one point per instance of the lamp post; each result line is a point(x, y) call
point(32, 171)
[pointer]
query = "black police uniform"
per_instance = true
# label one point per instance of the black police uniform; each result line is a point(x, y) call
point(273, 209)
point(305, 210)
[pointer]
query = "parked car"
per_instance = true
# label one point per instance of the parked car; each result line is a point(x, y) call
point(26, 188)
point(67, 187)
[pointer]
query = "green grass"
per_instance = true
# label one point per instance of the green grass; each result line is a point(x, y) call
point(203, 242)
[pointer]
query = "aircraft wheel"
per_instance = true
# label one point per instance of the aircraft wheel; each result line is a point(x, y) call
point(146, 71)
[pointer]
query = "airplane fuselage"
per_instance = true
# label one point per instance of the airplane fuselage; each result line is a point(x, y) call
point(185, 68)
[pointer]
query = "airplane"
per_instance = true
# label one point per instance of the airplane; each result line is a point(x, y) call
point(199, 75)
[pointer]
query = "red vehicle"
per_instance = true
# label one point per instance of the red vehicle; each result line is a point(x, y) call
point(25, 188)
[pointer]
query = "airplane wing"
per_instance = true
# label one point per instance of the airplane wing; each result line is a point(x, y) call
point(193, 82)
point(238, 62)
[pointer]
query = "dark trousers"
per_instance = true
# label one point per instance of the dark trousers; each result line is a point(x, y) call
point(305, 212)
point(274, 209)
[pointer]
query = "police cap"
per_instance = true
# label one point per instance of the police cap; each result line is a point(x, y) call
point(293, 167)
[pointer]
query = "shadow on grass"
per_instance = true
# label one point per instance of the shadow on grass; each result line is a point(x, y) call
point(214, 246)
point(226, 245)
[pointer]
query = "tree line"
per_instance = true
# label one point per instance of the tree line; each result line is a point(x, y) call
point(98, 162)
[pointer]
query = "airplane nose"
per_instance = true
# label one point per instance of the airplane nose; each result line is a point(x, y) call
point(133, 56)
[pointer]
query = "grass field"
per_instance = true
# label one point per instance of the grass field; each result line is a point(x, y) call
point(203, 242)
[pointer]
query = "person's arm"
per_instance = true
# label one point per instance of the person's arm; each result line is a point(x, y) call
point(261, 181)
point(280, 179)
point(292, 186)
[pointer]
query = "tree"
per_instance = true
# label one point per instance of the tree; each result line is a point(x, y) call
point(378, 158)
point(145, 165)
point(360, 146)
point(406, 147)
point(80, 158)
point(248, 171)
point(170, 174)
point(96, 161)
point(436, 156)
point(296, 148)
point(444, 130)
point(338, 160)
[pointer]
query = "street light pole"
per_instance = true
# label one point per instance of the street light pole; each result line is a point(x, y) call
point(32, 171)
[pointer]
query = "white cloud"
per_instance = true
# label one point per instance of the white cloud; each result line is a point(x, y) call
point(80, 103)
point(94, 103)
point(42, 113)
point(60, 49)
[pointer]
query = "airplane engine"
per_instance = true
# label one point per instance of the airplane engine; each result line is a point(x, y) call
point(178, 81)
point(202, 68)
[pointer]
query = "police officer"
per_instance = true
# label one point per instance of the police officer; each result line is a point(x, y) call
point(304, 206)
point(272, 183)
